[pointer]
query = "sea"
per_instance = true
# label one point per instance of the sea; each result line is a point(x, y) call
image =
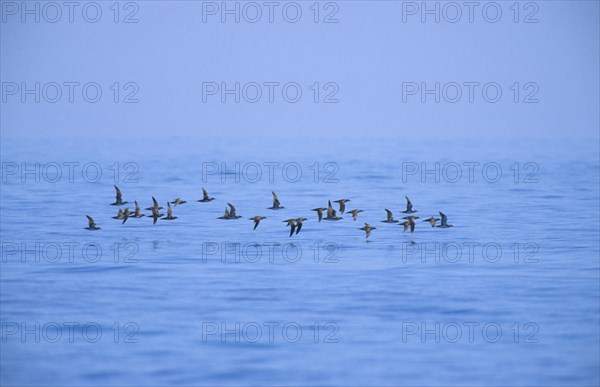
point(507, 296)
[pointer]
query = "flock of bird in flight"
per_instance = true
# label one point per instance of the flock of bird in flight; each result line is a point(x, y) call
point(295, 224)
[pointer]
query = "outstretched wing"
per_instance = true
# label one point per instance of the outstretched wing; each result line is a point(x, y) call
point(232, 209)
point(276, 202)
point(119, 194)
point(390, 215)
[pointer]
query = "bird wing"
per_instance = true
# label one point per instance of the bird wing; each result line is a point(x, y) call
point(232, 211)
point(119, 194)
point(390, 215)
point(204, 193)
point(444, 218)
point(275, 199)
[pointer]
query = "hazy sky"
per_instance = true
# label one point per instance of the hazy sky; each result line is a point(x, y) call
point(375, 58)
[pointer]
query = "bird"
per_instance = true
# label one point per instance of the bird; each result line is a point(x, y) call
point(331, 213)
point(232, 213)
point(169, 213)
point(355, 213)
point(342, 203)
point(292, 224)
point(431, 220)
point(390, 217)
point(155, 215)
point(276, 204)
point(299, 224)
point(444, 222)
point(319, 212)
point(256, 220)
point(137, 213)
point(226, 215)
point(119, 215)
point(409, 207)
point(126, 214)
point(178, 201)
point(119, 201)
point(154, 205)
point(367, 229)
point(91, 224)
point(205, 197)
point(408, 223)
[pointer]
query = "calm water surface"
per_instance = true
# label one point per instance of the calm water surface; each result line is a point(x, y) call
point(508, 296)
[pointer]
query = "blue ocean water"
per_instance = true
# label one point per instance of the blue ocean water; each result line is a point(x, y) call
point(508, 296)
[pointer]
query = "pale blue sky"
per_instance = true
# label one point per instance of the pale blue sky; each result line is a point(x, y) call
point(369, 53)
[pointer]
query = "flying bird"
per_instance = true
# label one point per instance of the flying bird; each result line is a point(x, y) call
point(407, 224)
point(292, 224)
point(232, 212)
point(390, 217)
point(178, 201)
point(409, 207)
point(256, 220)
point(355, 213)
point(299, 224)
point(367, 229)
point(444, 222)
point(169, 213)
point(331, 213)
point(138, 211)
point(119, 215)
point(319, 212)
point(342, 203)
point(431, 220)
point(155, 215)
point(205, 197)
point(119, 198)
point(126, 215)
point(154, 205)
point(226, 215)
point(276, 204)
point(91, 224)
